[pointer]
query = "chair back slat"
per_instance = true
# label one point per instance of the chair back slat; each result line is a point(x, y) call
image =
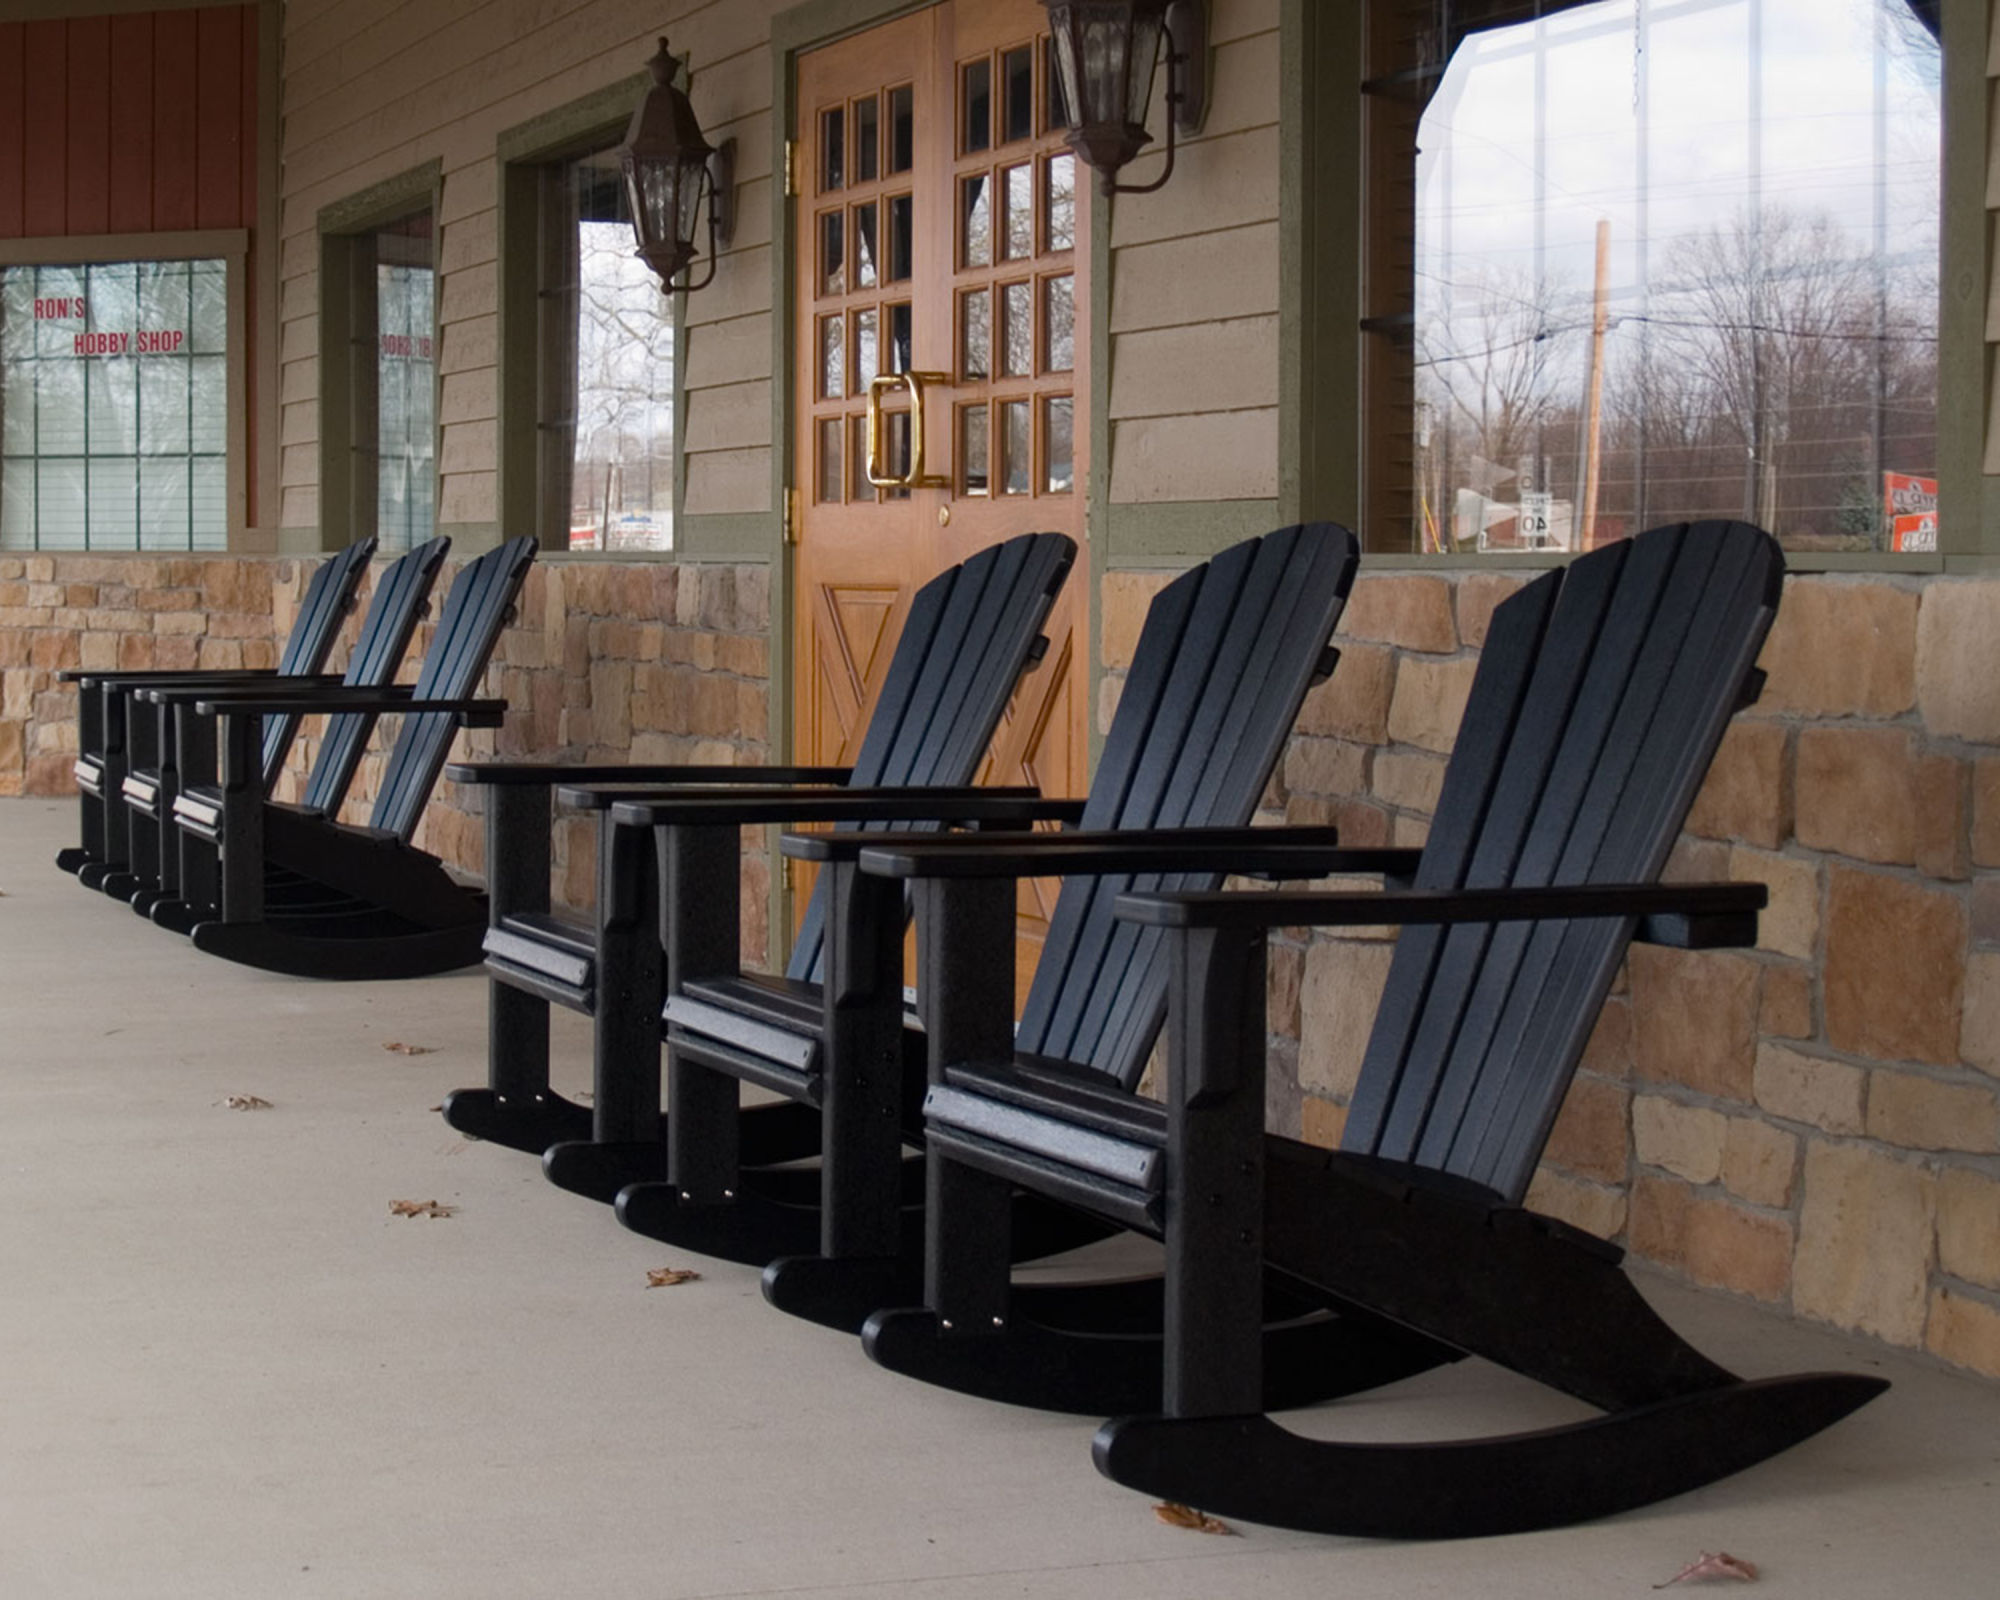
point(475, 612)
point(1222, 665)
point(1508, 1120)
point(1613, 681)
point(323, 608)
point(960, 652)
point(394, 611)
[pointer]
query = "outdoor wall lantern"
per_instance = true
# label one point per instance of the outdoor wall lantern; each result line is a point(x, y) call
point(1106, 52)
point(667, 164)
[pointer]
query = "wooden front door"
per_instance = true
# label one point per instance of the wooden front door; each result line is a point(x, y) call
point(942, 287)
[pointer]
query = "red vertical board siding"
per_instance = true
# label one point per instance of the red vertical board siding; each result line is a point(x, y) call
point(88, 167)
point(175, 60)
point(133, 123)
point(45, 189)
point(248, 120)
point(219, 119)
point(131, 201)
point(12, 145)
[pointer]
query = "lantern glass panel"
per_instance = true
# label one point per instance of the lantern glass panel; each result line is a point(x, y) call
point(1139, 65)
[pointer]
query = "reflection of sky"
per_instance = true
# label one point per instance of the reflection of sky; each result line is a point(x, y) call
point(1804, 135)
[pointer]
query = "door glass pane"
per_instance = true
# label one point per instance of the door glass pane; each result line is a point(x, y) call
point(1059, 443)
point(975, 210)
point(975, 322)
point(833, 253)
point(976, 95)
point(1059, 319)
point(829, 460)
point(1060, 177)
point(866, 327)
point(972, 449)
point(857, 455)
point(1018, 235)
point(902, 129)
point(899, 450)
point(902, 229)
point(832, 354)
point(1017, 77)
point(1017, 330)
point(833, 148)
point(1016, 451)
point(899, 338)
point(864, 246)
point(867, 140)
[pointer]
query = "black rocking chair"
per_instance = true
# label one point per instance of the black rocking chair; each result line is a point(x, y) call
point(170, 745)
point(968, 636)
point(1600, 697)
point(102, 706)
point(304, 893)
point(1227, 654)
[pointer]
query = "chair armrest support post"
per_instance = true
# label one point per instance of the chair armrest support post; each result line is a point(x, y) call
point(1215, 1183)
point(699, 893)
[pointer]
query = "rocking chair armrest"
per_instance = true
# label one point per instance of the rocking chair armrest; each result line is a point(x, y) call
point(281, 698)
point(193, 691)
point(1263, 852)
point(471, 713)
point(745, 806)
point(824, 847)
point(1689, 915)
point(92, 677)
point(550, 774)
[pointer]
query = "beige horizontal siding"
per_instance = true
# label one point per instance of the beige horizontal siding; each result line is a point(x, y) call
point(1229, 455)
point(728, 480)
point(1194, 289)
point(1200, 367)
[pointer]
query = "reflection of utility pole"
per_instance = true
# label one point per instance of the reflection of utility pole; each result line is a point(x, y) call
point(1599, 318)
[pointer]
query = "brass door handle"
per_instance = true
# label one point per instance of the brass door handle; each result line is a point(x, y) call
point(914, 478)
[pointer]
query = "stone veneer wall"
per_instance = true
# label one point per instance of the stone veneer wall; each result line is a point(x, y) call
point(1814, 1123)
point(645, 662)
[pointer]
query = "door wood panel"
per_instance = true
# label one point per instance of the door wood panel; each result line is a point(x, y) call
point(939, 230)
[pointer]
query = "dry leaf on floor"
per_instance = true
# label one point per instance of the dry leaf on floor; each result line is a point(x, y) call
point(397, 1048)
point(667, 1277)
point(1176, 1515)
point(1720, 1565)
point(246, 1102)
point(420, 1208)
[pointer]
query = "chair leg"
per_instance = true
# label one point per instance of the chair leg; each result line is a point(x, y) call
point(1249, 1467)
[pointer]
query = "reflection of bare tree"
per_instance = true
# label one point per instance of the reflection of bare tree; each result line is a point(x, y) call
point(623, 467)
point(1778, 336)
point(1494, 363)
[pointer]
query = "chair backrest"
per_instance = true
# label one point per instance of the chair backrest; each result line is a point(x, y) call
point(1225, 658)
point(969, 633)
point(478, 607)
point(322, 609)
point(394, 611)
point(1601, 694)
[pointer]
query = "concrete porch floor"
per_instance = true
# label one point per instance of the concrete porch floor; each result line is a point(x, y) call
point(227, 1371)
